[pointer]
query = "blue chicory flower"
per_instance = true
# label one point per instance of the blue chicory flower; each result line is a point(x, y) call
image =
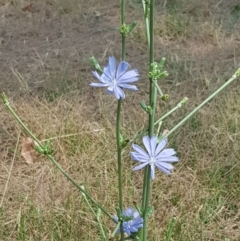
point(155, 155)
point(132, 225)
point(116, 78)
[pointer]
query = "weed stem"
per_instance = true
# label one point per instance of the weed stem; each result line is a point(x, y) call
point(50, 157)
point(204, 102)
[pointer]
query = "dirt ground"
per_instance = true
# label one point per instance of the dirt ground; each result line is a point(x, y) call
point(45, 45)
point(48, 44)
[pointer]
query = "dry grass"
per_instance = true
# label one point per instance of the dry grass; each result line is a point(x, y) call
point(50, 70)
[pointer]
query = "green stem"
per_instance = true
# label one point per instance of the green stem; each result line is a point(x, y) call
point(123, 48)
point(116, 229)
point(152, 101)
point(119, 159)
point(6, 102)
point(123, 10)
point(203, 103)
point(100, 225)
point(97, 215)
point(159, 89)
point(153, 92)
point(170, 230)
point(179, 105)
point(146, 18)
point(118, 133)
point(51, 158)
point(76, 185)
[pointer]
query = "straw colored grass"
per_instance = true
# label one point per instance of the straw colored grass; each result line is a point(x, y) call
point(202, 193)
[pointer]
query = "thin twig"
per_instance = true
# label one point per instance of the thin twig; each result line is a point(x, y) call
point(10, 171)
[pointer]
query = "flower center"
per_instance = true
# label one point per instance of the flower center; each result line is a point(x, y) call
point(152, 160)
point(114, 82)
